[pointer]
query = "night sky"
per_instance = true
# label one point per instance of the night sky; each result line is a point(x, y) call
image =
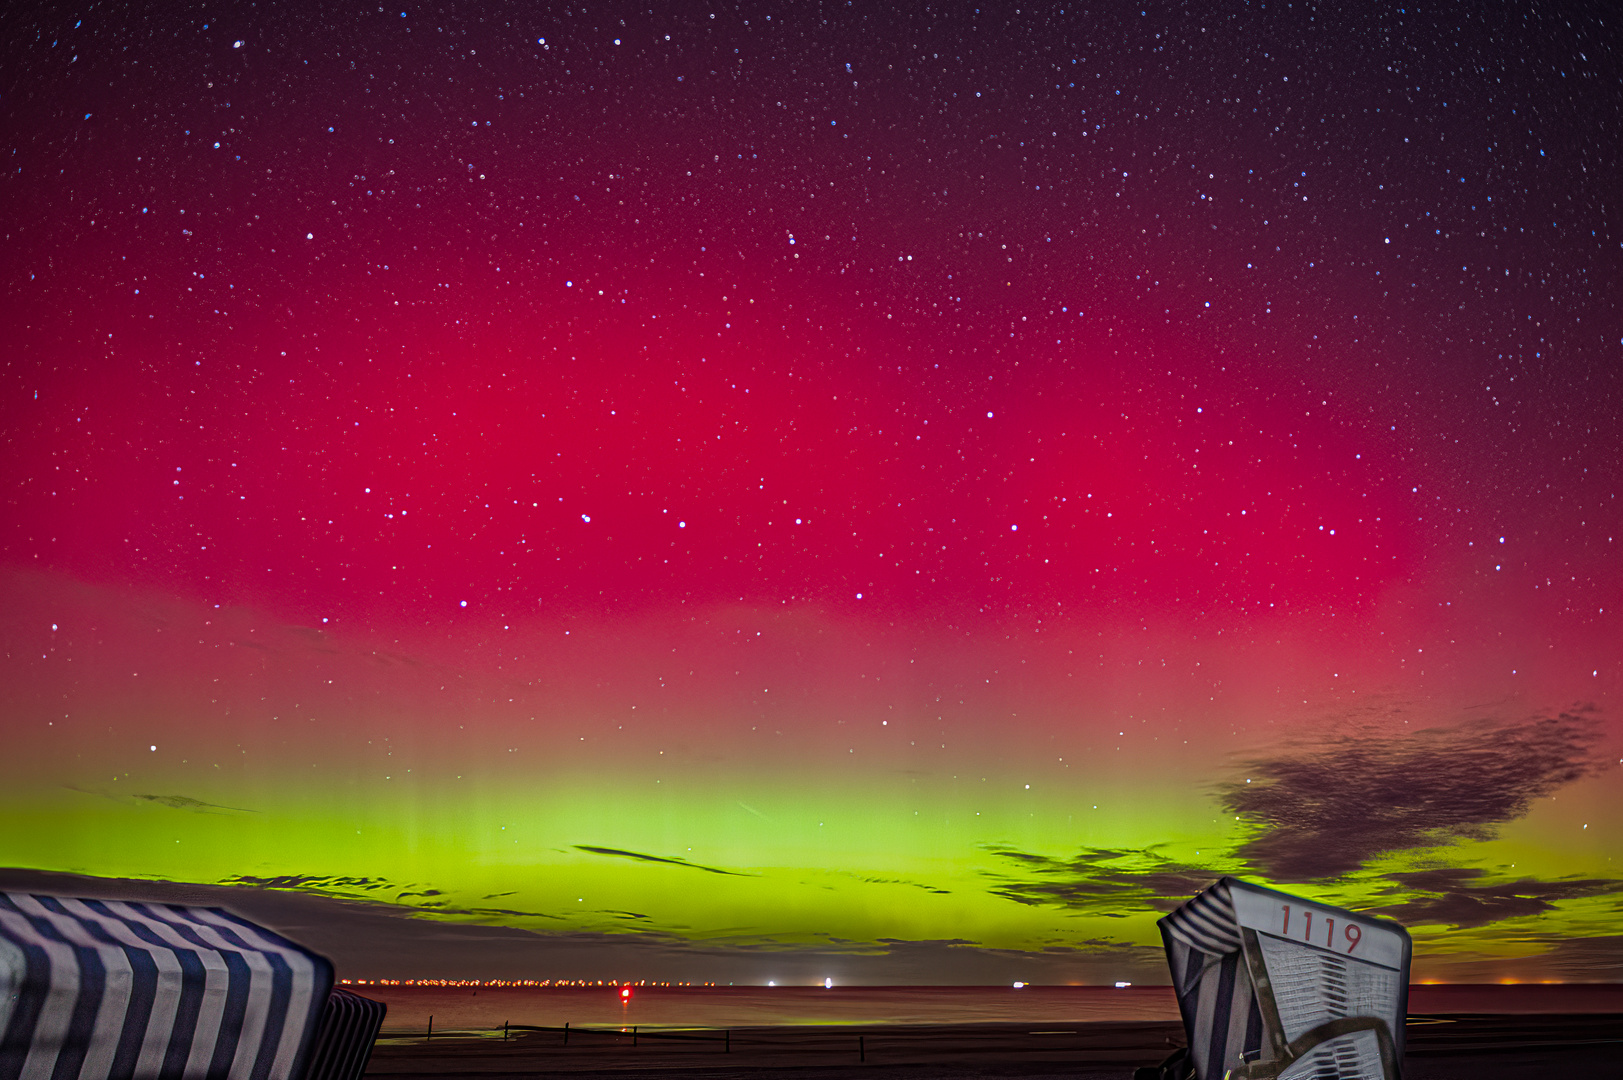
point(780, 488)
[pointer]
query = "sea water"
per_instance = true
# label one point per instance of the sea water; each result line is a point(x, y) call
point(488, 1008)
point(478, 1008)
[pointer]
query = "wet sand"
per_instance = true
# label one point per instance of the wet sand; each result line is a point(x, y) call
point(1440, 1047)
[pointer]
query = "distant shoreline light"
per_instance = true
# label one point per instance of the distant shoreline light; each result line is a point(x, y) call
point(610, 984)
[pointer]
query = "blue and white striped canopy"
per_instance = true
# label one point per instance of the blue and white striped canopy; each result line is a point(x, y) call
point(118, 990)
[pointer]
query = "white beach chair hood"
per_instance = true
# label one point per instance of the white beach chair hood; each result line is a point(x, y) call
point(1274, 986)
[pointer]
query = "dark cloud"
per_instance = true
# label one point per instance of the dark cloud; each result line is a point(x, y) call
point(1323, 811)
point(441, 908)
point(869, 879)
point(196, 806)
point(333, 885)
point(385, 941)
point(173, 802)
point(617, 853)
point(1596, 959)
point(1461, 897)
point(1098, 881)
point(1457, 956)
point(380, 891)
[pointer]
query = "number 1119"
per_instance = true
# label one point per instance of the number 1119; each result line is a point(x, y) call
point(1350, 931)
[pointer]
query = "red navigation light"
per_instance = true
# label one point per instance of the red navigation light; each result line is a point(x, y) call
point(625, 993)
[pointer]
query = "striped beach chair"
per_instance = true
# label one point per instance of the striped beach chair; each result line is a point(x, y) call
point(343, 1046)
point(120, 990)
point(1275, 987)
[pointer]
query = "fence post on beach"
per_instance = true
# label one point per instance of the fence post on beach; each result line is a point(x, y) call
point(504, 1029)
point(633, 1034)
point(430, 1025)
point(728, 1035)
point(566, 1032)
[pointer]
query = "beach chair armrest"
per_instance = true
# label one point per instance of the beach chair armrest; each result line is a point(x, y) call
point(1334, 1029)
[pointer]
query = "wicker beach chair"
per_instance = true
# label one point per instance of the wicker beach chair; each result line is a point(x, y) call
point(105, 989)
point(1275, 987)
